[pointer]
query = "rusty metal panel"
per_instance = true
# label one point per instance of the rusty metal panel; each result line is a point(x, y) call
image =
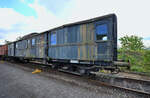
point(31, 49)
point(37, 50)
point(83, 32)
point(83, 51)
point(28, 53)
point(90, 32)
point(86, 52)
point(86, 33)
point(28, 48)
point(4, 50)
point(40, 42)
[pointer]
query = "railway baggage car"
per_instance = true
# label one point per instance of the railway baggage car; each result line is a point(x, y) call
point(81, 47)
point(89, 44)
point(94, 39)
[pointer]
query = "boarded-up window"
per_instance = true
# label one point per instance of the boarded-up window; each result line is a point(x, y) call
point(53, 39)
point(101, 32)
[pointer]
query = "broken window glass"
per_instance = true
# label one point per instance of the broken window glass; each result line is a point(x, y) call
point(101, 32)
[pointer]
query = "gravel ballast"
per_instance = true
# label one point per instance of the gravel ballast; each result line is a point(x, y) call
point(19, 82)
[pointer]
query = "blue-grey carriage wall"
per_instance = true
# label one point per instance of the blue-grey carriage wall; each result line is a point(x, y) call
point(79, 42)
point(20, 48)
point(11, 49)
point(33, 47)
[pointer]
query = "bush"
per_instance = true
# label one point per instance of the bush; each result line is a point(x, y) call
point(137, 69)
point(139, 60)
point(132, 49)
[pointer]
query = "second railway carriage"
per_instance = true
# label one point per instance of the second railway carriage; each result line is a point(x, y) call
point(82, 46)
point(28, 48)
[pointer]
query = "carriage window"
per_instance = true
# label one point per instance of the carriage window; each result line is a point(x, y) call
point(101, 32)
point(33, 42)
point(53, 38)
point(16, 46)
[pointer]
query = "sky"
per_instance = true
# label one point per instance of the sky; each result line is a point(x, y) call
point(21, 17)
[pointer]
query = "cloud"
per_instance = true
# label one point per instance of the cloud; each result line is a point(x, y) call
point(8, 17)
point(146, 43)
point(14, 24)
point(55, 6)
point(46, 19)
point(133, 18)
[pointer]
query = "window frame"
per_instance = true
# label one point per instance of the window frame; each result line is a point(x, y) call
point(102, 35)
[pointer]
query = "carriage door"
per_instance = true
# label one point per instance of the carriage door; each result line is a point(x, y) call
point(102, 41)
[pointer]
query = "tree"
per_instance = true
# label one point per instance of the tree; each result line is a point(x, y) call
point(18, 38)
point(7, 42)
point(132, 43)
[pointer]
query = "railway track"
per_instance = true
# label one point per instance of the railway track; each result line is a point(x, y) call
point(139, 92)
point(132, 83)
point(138, 73)
point(94, 80)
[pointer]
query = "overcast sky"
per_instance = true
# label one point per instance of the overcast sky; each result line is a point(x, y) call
point(21, 17)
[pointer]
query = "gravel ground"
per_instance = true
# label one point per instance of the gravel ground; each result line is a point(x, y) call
point(19, 82)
